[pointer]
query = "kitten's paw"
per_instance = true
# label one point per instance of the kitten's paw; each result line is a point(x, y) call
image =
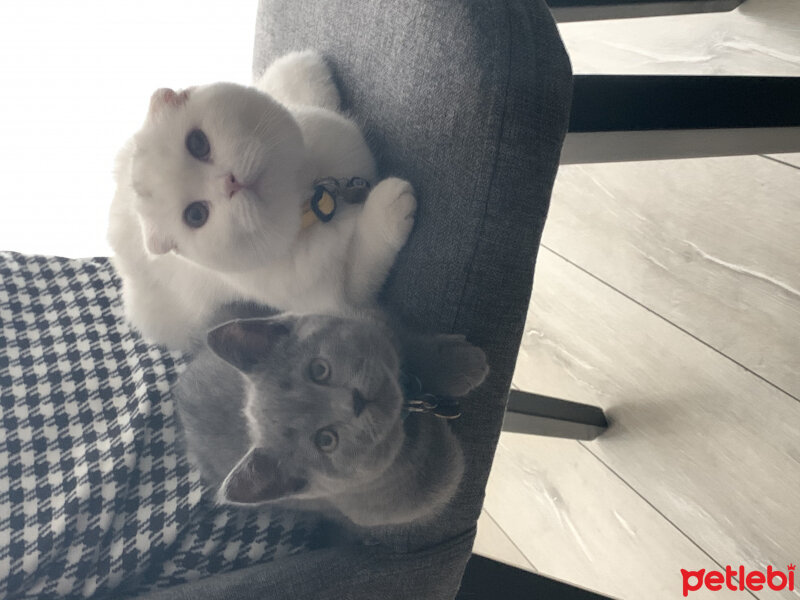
point(390, 208)
point(458, 366)
point(301, 78)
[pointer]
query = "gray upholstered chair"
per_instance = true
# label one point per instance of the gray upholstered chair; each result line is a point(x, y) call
point(466, 98)
point(469, 100)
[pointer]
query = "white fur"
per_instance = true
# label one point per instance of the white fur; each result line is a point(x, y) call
point(300, 78)
point(251, 247)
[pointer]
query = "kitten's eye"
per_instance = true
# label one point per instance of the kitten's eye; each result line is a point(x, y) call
point(326, 440)
point(196, 214)
point(319, 370)
point(197, 144)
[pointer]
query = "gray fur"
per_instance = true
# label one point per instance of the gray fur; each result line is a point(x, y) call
point(251, 415)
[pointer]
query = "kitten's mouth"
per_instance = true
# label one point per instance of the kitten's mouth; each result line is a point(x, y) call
point(234, 185)
point(359, 403)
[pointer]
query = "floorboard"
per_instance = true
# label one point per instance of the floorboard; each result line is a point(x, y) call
point(680, 317)
point(492, 542)
point(712, 447)
point(791, 159)
point(711, 245)
point(579, 522)
point(758, 38)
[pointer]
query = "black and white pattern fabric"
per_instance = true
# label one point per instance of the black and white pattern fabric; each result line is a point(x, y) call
point(96, 498)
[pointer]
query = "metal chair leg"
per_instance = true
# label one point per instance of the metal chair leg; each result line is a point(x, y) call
point(653, 117)
point(487, 578)
point(543, 415)
point(565, 11)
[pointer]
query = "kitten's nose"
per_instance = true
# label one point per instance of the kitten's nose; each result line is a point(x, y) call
point(232, 186)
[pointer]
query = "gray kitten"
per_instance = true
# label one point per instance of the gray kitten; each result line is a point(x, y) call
point(308, 410)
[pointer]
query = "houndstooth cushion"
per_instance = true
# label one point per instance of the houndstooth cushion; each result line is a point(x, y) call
point(96, 498)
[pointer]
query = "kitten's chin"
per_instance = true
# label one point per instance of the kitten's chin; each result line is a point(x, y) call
point(248, 253)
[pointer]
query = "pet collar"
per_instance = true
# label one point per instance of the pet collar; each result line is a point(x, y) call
point(416, 400)
point(327, 193)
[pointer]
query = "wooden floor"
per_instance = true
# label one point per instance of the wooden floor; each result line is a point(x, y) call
point(669, 294)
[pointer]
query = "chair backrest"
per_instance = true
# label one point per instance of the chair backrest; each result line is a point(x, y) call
point(469, 100)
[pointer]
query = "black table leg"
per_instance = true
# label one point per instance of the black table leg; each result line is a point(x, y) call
point(487, 579)
point(543, 415)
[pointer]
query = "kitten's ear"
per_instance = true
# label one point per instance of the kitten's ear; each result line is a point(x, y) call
point(258, 478)
point(166, 97)
point(246, 342)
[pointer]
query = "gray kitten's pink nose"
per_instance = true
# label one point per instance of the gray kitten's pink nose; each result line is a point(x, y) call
point(232, 186)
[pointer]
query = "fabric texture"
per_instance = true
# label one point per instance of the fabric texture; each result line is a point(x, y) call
point(96, 495)
point(469, 100)
point(353, 573)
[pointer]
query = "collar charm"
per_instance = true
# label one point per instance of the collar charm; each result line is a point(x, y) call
point(327, 193)
point(418, 401)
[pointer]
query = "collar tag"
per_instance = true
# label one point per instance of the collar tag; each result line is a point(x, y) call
point(417, 400)
point(327, 193)
point(323, 204)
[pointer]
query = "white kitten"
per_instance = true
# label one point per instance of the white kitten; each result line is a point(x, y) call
point(210, 194)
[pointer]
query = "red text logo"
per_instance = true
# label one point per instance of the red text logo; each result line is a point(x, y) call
point(738, 579)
